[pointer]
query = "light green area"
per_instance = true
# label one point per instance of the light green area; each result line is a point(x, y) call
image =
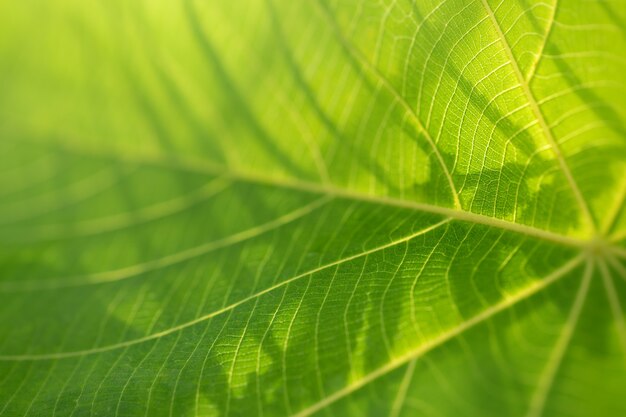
point(320, 207)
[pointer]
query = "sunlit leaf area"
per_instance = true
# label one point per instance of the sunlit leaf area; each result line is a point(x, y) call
point(334, 208)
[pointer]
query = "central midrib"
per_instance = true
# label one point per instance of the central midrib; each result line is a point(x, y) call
point(326, 193)
point(456, 214)
point(200, 166)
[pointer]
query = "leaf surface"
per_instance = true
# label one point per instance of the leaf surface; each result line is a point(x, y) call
point(271, 207)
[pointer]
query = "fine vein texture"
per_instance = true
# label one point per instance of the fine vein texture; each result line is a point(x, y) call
point(321, 207)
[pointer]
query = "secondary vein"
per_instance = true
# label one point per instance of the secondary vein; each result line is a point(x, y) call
point(443, 338)
point(542, 122)
point(538, 400)
point(61, 355)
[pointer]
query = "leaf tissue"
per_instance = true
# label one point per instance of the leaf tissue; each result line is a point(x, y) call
point(313, 208)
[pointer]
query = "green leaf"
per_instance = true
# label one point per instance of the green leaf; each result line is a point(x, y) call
point(324, 207)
